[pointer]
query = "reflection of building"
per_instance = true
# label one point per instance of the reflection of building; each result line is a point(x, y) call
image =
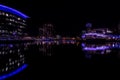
point(12, 23)
point(12, 57)
point(97, 48)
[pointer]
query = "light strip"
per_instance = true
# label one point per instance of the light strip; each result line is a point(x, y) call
point(13, 72)
point(98, 34)
point(97, 48)
point(13, 11)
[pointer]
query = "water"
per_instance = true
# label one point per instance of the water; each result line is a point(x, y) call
point(45, 57)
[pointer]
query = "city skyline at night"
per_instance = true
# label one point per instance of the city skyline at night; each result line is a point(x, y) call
point(68, 18)
point(40, 37)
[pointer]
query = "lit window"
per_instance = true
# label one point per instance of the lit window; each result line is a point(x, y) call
point(6, 14)
point(18, 18)
point(3, 52)
point(10, 19)
point(18, 64)
point(6, 68)
point(10, 23)
point(23, 20)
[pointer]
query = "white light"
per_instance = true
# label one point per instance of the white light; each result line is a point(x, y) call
point(10, 51)
point(18, 64)
point(9, 59)
point(3, 52)
point(18, 18)
point(18, 50)
point(6, 69)
point(6, 14)
point(10, 63)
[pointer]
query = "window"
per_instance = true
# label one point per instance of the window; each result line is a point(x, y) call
point(19, 19)
point(7, 14)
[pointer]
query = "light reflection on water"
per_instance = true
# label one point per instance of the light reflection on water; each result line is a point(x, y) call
point(85, 48)
point(12, 59)
point(12, 56)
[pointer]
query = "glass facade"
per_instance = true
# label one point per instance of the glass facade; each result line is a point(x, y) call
point(12, 26)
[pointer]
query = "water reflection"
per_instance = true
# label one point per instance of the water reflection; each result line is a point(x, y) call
point(13, 56)
point(103, 49)
point(12, 59)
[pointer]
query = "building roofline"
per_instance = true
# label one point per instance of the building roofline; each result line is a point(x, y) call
point(13, 11)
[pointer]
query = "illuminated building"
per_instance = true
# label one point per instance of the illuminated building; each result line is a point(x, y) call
point(47, 30)
point(12, 23)
point(101, 33)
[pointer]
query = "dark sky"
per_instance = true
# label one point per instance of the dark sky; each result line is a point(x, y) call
point(68, 17)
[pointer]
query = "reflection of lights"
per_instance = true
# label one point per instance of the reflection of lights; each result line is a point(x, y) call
point(108, 51)
point(10, 51)
point(97, 48)
point(43, 42)
point(6, 68)
point(57, 42)
point(72, 42)
point(11, 45)
point(98, 34)
point(49, 43)
point(13, 72)
point(83, 45)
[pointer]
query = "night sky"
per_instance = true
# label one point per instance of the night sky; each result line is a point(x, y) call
point(69, 17)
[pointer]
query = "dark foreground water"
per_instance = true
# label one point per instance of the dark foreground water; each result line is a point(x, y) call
point(48, 59)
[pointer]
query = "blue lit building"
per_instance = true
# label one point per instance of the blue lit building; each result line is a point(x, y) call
point(12, 23)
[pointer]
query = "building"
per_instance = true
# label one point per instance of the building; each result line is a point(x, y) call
point(100, 33)
point(12, 23)
point(47, 30)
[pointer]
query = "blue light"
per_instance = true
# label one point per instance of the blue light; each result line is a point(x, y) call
point(13, 11)
point(11, 45)
point(97, 34)
point(13, 72)
point(89, 25)
point(83, 44)
point(95, 49)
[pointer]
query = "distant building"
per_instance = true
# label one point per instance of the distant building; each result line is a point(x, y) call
point(12, 23)
point(47, 30)
point(100, 33)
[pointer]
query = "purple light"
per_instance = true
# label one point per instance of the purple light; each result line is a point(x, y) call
point(88, 25)
point(11, 45)
point(83, 45)
point(13, 11)
point(97, 34)
point(97, 48)
point(83, 36)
